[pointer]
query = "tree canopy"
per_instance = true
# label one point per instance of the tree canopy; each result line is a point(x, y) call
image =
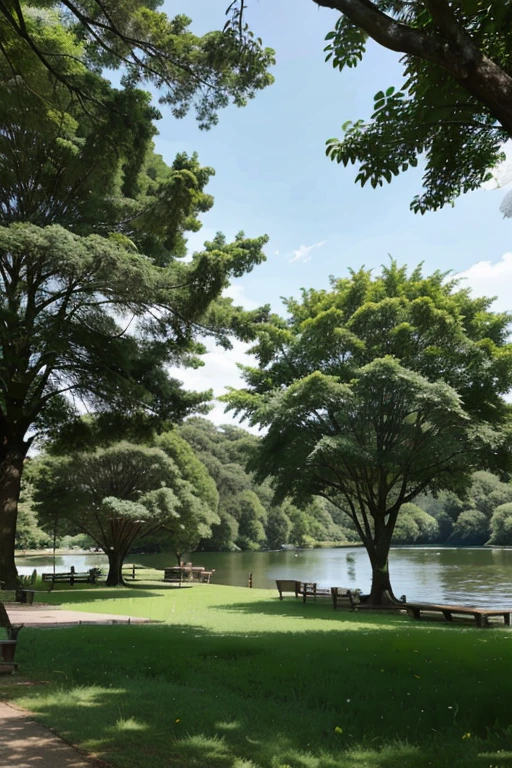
point(207, 73)
point(375, 391)
point(452, 110)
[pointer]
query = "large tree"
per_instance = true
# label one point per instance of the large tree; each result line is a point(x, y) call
point(119, 495)
point(94, 300)
point(375, 391)
point(208, 72)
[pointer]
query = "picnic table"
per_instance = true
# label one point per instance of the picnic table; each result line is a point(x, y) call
point(179, 573)
point(481, 615)
point(310, 589)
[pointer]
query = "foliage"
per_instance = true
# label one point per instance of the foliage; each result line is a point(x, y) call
point(501, 525)
point(415, 526)
point(249, 518)
point(28, 533)
point(206, 73)
point(95, 301)
point(379, 389)
point(471, 528)
point(451, 110)
point(120, 494)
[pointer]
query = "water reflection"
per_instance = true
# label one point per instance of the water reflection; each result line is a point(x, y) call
point(472, 576)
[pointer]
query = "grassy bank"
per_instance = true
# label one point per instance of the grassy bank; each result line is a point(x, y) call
point(234, 678)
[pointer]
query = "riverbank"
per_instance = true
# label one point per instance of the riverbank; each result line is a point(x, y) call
point(234, 677)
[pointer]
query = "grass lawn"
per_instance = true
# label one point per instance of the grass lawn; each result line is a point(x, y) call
point(234, 678)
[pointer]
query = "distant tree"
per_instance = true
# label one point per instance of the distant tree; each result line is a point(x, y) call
point(251, 517)
point(28, 533)
point(278, 528)
point(471, 528)
point(501, 525)
point(376, 391)
point(119, 495)
point(415, 526)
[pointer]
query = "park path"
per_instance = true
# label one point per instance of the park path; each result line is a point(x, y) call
point(23, 742)
point(53, 616)
point(27, 744)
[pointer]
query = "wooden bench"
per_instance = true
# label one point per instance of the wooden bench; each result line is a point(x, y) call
point(205, 576)
point(89, 577)
point(7, 652)
point(288, 585)
point(338, 595)
point(481, 615)
point(345, 597)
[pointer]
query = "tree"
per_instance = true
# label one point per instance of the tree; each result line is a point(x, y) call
point(415, 526)
point(132, 35)
point(453, 108)
point(376, 391)
point(94, 300)
point(119, 495)
point(501, 525)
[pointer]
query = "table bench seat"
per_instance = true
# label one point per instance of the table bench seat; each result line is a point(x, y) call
point(481, 615)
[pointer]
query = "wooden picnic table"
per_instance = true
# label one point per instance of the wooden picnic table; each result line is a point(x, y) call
point(339, 595)
point(180, 573)
point(481, 615)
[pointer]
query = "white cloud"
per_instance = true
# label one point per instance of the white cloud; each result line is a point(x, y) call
point(218, 372)
point(488, 279)
point(303, 251)
point(236, 291)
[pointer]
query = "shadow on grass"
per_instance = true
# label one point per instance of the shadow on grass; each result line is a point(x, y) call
point(66, 597)
point(298, 609)
point(183, 695)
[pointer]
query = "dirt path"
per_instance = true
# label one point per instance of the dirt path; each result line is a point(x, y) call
point(53, 616)
point(27, 744)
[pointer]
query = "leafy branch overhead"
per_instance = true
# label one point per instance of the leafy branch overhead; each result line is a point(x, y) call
point(206, 73)
point(453, 107)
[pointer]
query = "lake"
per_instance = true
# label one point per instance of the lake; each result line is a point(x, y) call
point(474, 576)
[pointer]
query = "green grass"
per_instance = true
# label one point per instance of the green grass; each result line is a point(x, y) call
point(234, 678)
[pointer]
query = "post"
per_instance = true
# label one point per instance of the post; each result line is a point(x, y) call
point(249, 583)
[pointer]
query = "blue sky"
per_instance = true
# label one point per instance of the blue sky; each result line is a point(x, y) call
point(272, 177)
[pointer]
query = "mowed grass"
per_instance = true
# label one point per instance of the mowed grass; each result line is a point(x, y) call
point(234, 678)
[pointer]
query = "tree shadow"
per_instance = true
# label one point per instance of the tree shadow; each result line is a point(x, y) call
point(103, 594)
point(319, 610)
point(185, 695)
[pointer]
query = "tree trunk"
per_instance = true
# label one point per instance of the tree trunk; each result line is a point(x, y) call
point(115, 568)
point(11, 469)
point(381, 591)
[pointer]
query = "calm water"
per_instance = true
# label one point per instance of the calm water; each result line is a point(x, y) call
point(471, 576)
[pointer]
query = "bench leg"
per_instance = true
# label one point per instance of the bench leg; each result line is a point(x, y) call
point(506, 619)
point(447, 615)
